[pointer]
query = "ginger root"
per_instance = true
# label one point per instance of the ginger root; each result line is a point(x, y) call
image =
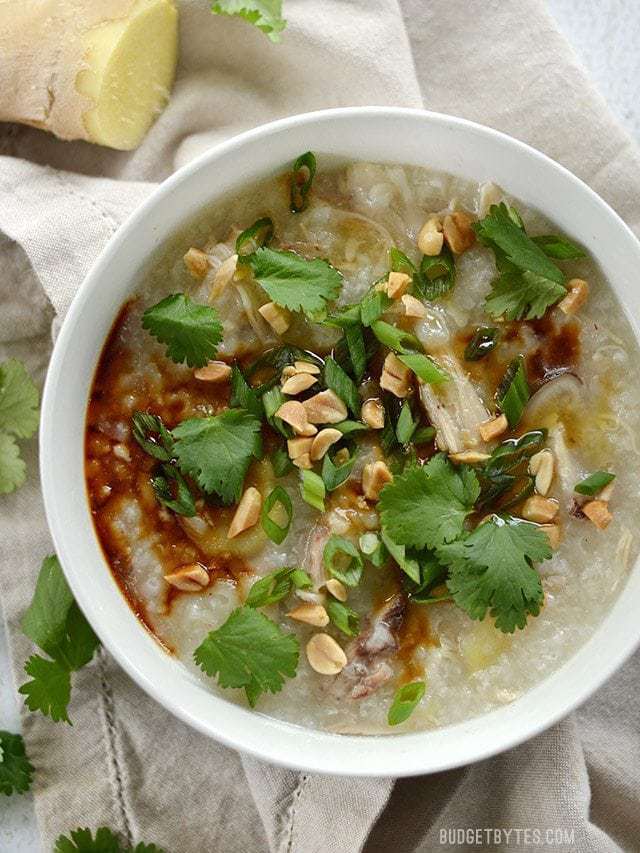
point(98, 70)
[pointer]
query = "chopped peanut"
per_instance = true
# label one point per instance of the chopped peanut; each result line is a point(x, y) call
point(470, 457)
point(553, 533)
point(197, 262)
point(494, 428)
point(458, 232)
point(576, 297)
point(430, 239)
point(375, 477)
point(215, 371)
point(298, 447)
point(541, 465)
point(413, 307)
point(190, 578)
point(539, 509)
point(325, 408)
point(398, 284)
point(298, 383)
point(247, 513)
point(278, 318)
point(325, 655)
point(294, 413)
point(288, 372)
point(224, 275)
point(337, 589)
point(598, 512)
point(310, 614)
point(395, 376)
point(303, 462)
point(322, 442)
point(372, 413)
point(306, 367)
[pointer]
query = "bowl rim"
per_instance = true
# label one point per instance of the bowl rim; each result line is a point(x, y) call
point(269, 738)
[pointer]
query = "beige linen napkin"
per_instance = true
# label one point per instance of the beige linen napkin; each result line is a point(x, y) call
point(126, 762)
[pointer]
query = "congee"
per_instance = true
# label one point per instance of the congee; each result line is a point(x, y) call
point(361, 450)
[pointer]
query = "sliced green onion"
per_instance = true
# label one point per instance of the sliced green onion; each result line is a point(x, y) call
point(425, 368)
point(271, 401)
point(341, 383)
point(437, 274)
point(276, 532)
point(343, 560)
point(388, 437)
point(312, 489)
point(405, 701)
point(172, 491)
point(373, 549)
point(304, 170)
point(406, 425)
point(513, 392)
point(357, 350)
point(594, 483)
point(335, 475)
point(152, 435)
point(399, 262)
point(277, 585)
point(259, 234)
point(432, 572)
point(424, 435)
point(408, 565)
point(344, 618)
point(484, 340)
point(559, 247)
point(395, 339)
point(373, 305)
point(278, 358)
point(520, 490)
point(513, 451)
point(347, 427)
point(281, 462)
point(243, 396)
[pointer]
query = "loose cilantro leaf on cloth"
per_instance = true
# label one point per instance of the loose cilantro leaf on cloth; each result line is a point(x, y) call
point(500, 229)
point(522, 296)
point(56, 624)
point(492, 570)
point(13, 471)
point(217, 451)
point(105, 841)
point(191, 331)
point(294, 282)
point(16, 773)
point(249, 651)
point(19, 412)
point(19, 416)
point(426, 506)
point(266, 15)
point(405, 701)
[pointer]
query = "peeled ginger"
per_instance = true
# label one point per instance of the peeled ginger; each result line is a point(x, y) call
point(98, 70)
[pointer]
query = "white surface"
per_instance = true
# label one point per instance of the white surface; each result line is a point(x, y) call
point(369, 133)
point(605, 35)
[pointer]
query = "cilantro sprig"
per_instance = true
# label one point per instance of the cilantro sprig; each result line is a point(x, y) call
point(249, 651)
point(191, 331)
point(16, 772)
point(105, 841)
point(56, 624)
point(266, 15)
point(19, 415)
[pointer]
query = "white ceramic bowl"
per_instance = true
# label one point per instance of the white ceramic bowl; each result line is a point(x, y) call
point(375, 134)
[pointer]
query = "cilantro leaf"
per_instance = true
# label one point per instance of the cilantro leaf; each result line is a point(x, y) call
point(294, 282)
point(502, 230)
point(105, 841)
point(217, 451)
point(50, 688)
point(16, 773)
point(19, 412)
point(492, 570)
point(522, 296)
point(266, 15)
point(249, 651)
point(191, 331)
point(427, 506)
point(13, 471)
point(56, 624)
point(559, 247)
